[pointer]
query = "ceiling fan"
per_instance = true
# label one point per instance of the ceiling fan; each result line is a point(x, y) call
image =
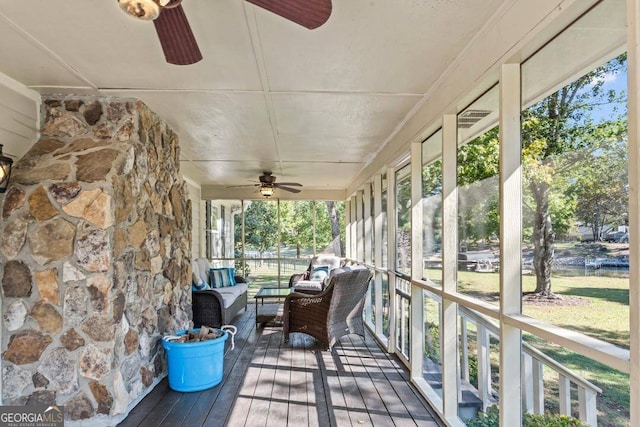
point(178, 42)
point(268, 184)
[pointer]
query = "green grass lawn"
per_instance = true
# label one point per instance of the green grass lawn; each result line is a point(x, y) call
point(603, 313)
point(594, 305)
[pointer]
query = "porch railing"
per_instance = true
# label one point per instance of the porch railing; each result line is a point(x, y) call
point(533, 396)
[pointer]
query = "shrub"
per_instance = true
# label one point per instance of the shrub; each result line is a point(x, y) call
point(490, 418)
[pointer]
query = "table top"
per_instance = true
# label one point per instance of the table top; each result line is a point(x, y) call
point(270, 292)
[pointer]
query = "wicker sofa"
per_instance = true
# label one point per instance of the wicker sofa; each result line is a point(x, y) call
point(216, 307)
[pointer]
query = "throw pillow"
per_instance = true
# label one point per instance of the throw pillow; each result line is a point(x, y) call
point(219, 277)
point(197, 283)
point(232, 276)
point(319, 272)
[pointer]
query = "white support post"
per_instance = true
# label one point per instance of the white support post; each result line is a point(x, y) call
point(242, 224)
point(538, 387)
point(564, 394)
point(448, 322)
point(527, 382)
point(391, 256)
point(360, 226)
point(368, 248)
point(354, 226)
point(279, 240)
point(587, 406)
point(633, 76)
point(378, 226)
point(400, 342)
point(464, 349)
point(417, 300)
point(484, 366)
point(368, 225)
point(510, 244)
point(347, 218)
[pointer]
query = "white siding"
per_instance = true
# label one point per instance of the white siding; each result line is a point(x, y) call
point(18, 117)
point(197, 219)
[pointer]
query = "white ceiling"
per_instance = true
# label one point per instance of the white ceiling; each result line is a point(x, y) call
point(312, 106)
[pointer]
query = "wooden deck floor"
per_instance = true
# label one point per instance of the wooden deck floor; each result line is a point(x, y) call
point(269, 383)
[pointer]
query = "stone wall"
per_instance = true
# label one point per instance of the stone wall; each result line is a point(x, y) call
point(95, 257)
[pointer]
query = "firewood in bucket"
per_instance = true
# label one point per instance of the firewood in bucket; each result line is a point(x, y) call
point(205, 333)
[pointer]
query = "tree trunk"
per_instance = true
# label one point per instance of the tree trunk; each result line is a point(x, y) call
point(543, 239)
point(335, 228)
point(597, 233)
point(298, 250)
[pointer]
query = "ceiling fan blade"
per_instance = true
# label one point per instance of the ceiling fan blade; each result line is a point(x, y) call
point(308, 13)
point(293, 184)
point(177, 40)
point(292, 190)
point(243, 185)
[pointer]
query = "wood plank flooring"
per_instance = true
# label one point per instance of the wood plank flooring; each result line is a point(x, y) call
point(269, 383)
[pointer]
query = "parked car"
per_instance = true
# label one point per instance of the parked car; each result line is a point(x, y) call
point(617, 237)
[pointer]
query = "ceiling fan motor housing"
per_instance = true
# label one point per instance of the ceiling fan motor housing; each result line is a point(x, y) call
point(267, 178)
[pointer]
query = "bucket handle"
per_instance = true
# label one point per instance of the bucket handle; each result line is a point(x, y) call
point(231, 330)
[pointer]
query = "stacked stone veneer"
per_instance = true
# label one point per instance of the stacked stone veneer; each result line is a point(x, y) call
point(95, 257)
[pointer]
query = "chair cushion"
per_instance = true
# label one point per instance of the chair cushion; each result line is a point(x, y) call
point(308, 285)
point(330, 260)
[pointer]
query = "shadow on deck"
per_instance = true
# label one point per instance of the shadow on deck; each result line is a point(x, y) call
point(268, 382)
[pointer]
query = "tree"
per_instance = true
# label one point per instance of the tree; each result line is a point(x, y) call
point(601, 188)
point(432, 205)
point(478, 168)
point(556, 131)
point(336, 235)
point(261, 225)
point(403, 220)
point(298, 221)
point(297, 224)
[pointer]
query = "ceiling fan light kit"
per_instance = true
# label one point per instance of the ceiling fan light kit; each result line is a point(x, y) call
point(266, 191)
point(147, 10)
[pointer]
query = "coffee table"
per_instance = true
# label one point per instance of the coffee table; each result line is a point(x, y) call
point(272, 311)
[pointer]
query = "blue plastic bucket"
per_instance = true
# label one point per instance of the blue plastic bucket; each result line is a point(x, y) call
point(195, 366)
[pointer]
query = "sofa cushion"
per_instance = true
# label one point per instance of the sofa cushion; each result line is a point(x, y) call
point(227, 297)
point(235, 291)
point(201, 266)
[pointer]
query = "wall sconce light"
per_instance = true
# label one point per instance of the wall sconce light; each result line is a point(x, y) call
point(5, 171)
point(266, 191)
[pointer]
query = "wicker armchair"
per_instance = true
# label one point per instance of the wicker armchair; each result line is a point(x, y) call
point(331, 261)
point(331, 314)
